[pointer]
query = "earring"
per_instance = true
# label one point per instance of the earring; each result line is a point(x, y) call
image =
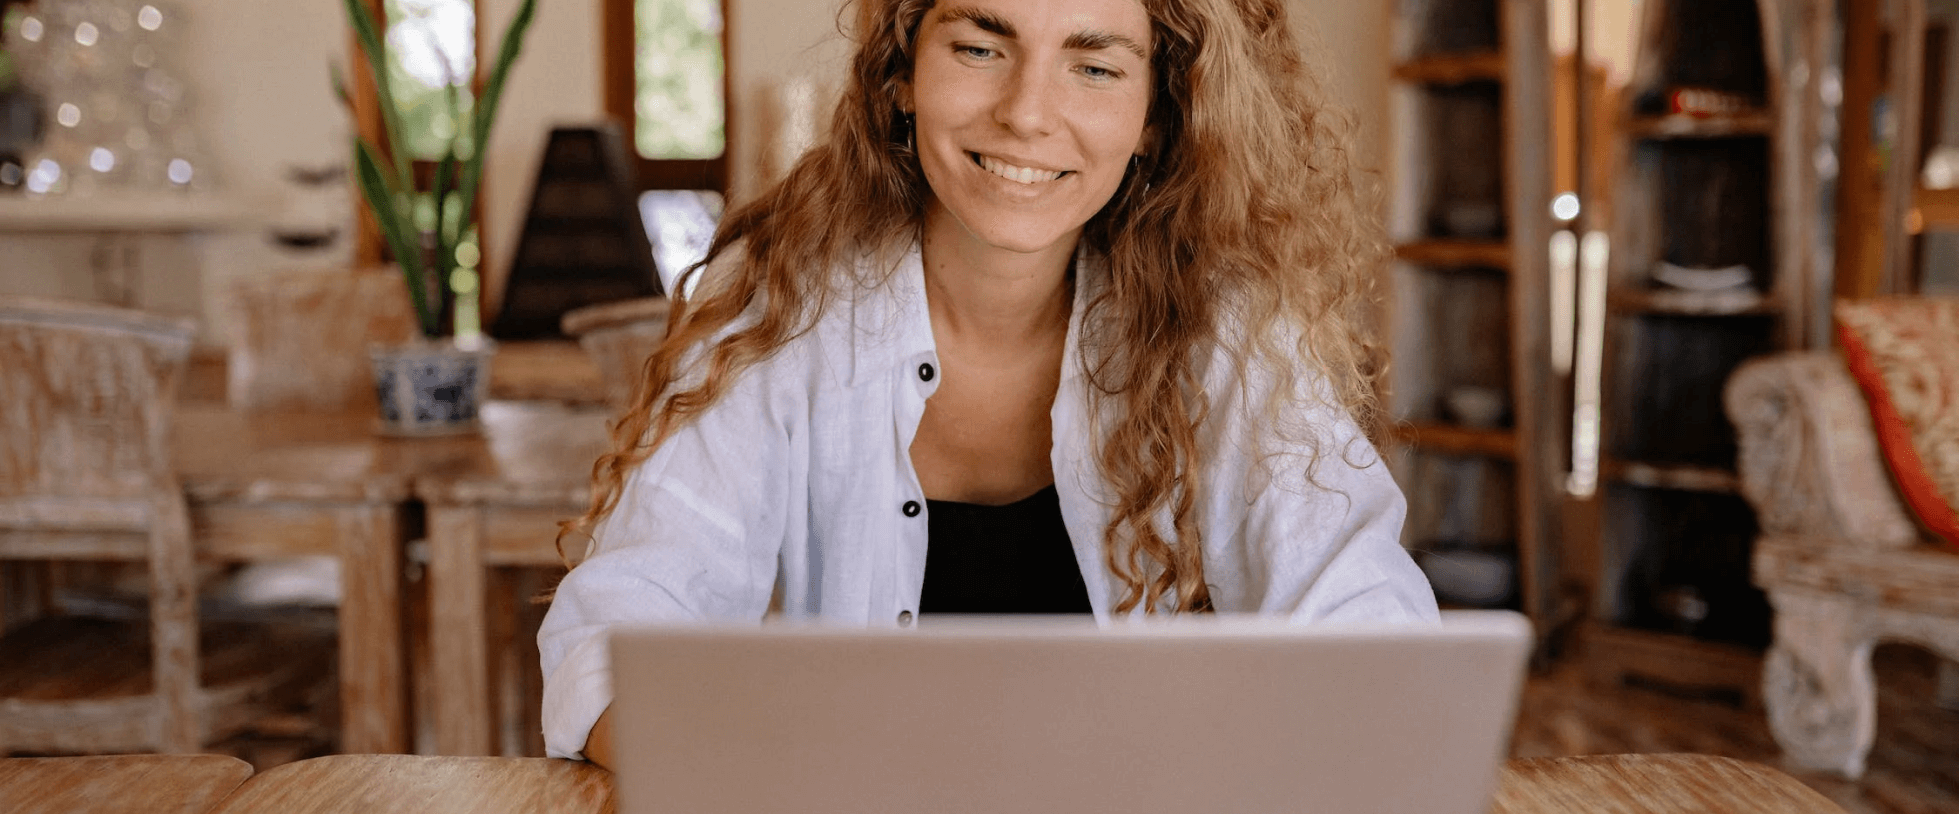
point(910, 127)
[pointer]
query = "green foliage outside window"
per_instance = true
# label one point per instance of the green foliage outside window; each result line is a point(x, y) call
point(678, 65)
point(430, 49)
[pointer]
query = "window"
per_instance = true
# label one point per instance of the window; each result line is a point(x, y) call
point(666, 84)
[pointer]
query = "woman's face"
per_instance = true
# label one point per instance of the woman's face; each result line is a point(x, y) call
point(1027, 112)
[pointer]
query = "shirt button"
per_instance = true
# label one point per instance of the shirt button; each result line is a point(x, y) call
point(911, 508)
point(925, 372)
point(904, 618)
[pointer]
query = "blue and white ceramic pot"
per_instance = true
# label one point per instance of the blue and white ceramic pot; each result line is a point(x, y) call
point(431, 387)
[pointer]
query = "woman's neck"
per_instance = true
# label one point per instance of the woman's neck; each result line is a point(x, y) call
point(996, 298)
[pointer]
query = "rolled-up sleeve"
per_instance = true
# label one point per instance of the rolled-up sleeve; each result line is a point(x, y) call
point(1308, 519)
point(696, 534)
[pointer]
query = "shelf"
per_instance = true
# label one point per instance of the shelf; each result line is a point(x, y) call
point(1684, 126)
point(1455, 439)
point(1452, 69)
point(1933, 210)
point(1674, 476)
point(1449, 252)
point(1682, 302)
point(125, 212)
point(1618, 655)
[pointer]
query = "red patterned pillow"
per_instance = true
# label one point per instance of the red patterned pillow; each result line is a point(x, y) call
point(1904, 354)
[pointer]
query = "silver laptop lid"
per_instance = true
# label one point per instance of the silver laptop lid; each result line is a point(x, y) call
point(989, 716)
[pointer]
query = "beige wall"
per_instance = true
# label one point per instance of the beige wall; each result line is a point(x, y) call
point(259, 70)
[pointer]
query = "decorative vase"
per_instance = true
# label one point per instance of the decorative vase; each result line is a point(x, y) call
point(431, 387)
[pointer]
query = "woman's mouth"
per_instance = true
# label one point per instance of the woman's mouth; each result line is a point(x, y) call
point(1024, 175)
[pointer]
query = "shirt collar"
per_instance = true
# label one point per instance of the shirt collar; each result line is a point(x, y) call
point(891, 326)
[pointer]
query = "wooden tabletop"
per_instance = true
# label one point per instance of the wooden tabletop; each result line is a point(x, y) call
point(536, 453)
point(115, 784)
point(1652, 784)
point(522, 447)
point(410, 784)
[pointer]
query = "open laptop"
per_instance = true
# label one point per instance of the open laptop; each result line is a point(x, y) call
point(995, 716)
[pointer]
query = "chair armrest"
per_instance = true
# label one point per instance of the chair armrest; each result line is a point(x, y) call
point(1809, 458)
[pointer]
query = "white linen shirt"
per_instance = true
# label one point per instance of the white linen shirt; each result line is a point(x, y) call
point(800, 476)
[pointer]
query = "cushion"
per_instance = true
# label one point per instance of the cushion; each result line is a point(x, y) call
point(1904, 354)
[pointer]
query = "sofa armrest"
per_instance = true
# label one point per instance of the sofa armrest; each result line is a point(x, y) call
point(1809, 458)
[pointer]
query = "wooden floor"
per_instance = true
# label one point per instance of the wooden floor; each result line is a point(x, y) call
point(1914, 768)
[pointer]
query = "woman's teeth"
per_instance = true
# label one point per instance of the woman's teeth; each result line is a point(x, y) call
point(1025, 175)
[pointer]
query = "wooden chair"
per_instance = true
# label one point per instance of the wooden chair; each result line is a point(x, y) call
point(85, 473)
point(619, 336)
point(300, 338)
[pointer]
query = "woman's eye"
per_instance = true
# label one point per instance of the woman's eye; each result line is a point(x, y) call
point(1099, 72)
point(973, 51)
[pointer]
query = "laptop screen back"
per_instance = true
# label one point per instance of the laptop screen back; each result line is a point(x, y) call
point(1024, 716)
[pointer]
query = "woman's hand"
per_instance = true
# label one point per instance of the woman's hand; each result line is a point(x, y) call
point(598, 745)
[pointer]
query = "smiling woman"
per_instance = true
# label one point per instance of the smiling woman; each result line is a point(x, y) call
point(1065, 316)
point(1027, 115)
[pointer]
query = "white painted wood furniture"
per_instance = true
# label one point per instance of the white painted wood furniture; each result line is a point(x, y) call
point(85, 408)
point(1844, 564)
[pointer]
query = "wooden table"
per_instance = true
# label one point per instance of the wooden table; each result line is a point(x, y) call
point(118, 784)
point(409, 784)
point(1652, 784)
point(499, 508)
point(282, 485)
point(382, 784)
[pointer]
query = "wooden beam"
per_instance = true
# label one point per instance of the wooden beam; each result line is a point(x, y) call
point(1860, 243)
point(366, 100)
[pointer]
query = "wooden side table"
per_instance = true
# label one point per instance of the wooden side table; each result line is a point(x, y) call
point(500, 510)
point(118, 784)
point(272, 486)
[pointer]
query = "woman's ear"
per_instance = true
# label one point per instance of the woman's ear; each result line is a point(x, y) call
point(904, 97)
point(1146, 143)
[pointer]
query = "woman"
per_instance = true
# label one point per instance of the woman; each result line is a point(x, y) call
point(1083, 278)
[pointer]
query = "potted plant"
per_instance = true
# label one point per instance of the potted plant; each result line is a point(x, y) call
point(435, 384)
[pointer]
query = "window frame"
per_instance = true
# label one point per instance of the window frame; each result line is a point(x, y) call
point(618, 28)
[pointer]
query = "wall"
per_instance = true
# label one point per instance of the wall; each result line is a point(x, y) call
point(260, 74)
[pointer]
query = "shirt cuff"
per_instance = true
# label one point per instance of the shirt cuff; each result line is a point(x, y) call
point(575, 695)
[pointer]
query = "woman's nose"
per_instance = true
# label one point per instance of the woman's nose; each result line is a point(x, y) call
point(1027, 104)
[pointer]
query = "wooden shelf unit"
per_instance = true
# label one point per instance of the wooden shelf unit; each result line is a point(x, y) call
point(1682, 302)
point(1683, 477)
point(1468, 301)
point(1455, 253)
point(1687, 126)
point(1672, 596)
point(1451, 439)
point(1452, 69)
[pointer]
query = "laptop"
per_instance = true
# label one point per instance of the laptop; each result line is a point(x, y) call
point(1027, 716)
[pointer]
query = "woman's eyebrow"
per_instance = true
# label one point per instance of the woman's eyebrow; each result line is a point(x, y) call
point(984, 20)
point(1089, 40)
point(1098, 40)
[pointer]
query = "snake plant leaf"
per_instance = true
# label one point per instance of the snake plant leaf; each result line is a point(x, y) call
point(367, 30)
point(395, 229)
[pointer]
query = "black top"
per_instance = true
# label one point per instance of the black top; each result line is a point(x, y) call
point(1001, 559)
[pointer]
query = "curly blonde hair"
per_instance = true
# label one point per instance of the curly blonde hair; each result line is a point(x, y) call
point(1245, 209)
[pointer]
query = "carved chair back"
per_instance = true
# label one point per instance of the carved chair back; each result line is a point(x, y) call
point(301, 337)
point(86, 395)
point(620, 336)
